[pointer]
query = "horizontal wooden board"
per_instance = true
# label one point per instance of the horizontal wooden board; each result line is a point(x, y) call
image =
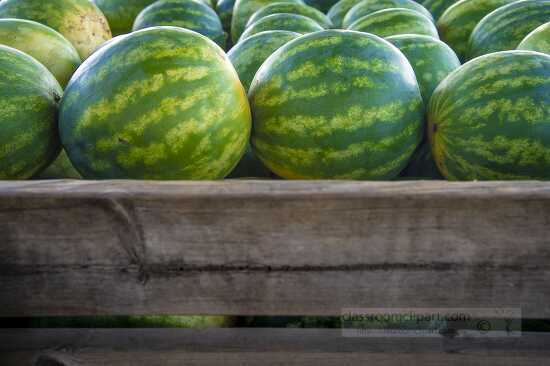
point(271, 247)
point(266, 347)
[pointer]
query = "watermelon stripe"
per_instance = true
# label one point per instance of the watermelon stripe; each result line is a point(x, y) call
point(297, 158)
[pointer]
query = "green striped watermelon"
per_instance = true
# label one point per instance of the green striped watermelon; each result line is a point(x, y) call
point(437, 7)
point(29, 99)
point(338, 11)
point(504, 28)
point(61, 168)
point(224, 8)
point(247, 56)
point(189, 14)
point(457, 23)
point(538, 40)
point(367, 7)
point(394, 21)
point(322, 5)
point(291, 8)
point(355, 113)
point(80, 21)
point(432, 61)
point(160, 103)
point(243, 10)
point(490, 119)
point(44, 44)
point(288, 22)
point(121, 13)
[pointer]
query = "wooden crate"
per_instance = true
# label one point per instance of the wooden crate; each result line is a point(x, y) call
point(269, 248)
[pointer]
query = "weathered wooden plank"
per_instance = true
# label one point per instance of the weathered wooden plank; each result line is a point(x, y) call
point(271, 247)
point(101, 291)
point(260, 347)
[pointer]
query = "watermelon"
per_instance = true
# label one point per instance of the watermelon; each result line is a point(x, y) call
point(322, 5)
point(355, 113)
point(504, 28)
point(190, 14)
point(338, 11)
point(538, 40)
point(44, 44)
point(394, 21)
point(29, 104)
point(457, 23)
point(247, 56)
point(121, 13)
point(431, 59)
point(291, 8)
point(367, 7)
point(243, 10)
point(224, 8)
point(490, 119)
point(80, 21)
point(288, 22)
point(61, 168)
point(160, 103)
point(437, 7)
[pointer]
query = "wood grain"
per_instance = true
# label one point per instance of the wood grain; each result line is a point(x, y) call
point(64, 347)
point(271, 247)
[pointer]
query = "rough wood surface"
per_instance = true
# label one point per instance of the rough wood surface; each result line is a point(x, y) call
point(271, 247)
point(267, 347)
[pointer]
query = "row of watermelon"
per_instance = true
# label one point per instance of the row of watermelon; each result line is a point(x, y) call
point(287, 140)
point(332, 104)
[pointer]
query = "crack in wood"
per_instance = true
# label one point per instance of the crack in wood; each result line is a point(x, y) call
point(131, 237)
